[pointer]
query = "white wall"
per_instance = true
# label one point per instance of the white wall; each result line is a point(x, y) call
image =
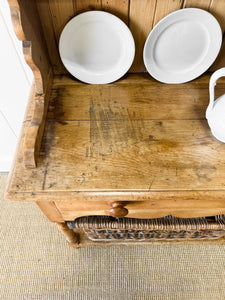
point(15, 82)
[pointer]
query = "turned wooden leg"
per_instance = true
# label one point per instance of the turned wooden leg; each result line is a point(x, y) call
point(71, 236)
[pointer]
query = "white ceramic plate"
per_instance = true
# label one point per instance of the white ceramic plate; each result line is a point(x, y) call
point(182, 46)
point(96, 47)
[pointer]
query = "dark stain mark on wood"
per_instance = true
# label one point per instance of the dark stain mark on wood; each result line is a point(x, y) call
point(94, 129)
point(150, 185)
point(152, 138)
point(45, 175)
point(166, 145)
point(81, 179)
point(56, 110)
point(205, 171)
point(108, 134)
point(51, 185)
point(62, 122)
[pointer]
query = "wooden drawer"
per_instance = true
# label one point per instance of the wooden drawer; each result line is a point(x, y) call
point(71, 210)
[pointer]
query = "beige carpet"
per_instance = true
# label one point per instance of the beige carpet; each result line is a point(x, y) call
point(36, 263)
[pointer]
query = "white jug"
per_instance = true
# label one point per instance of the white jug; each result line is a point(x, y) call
point(215, 113)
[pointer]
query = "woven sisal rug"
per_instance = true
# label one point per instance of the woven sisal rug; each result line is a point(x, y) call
point(36, 263)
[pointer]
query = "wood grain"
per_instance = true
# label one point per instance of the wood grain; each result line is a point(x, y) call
point(217, 8)
point(143, 209)
point(118, 8)
point(28, 28)
point(85, 5)
point(61, 12)
point(154, 150)
point(23, 179)
point(203, 4)
point(106, 196)
point(32, 133)
point(141, 23)
point(220, 61)
point(49, 35)
point(28, 56)
point(136, 99)
point(51, 211)
point(163, 8)
point(141, 16)
point(136, 155)
point(144, 78)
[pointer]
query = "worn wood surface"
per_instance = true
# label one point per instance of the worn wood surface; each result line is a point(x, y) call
point(139, 15)
point(135, 97)
point(134, 154)
point(134, 140)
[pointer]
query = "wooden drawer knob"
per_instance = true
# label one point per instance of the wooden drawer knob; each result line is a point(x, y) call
point(118, 210)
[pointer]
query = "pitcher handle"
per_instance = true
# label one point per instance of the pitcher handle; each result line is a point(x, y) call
point(212, 83)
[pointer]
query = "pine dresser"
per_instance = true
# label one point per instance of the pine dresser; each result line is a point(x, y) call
point(131, 162)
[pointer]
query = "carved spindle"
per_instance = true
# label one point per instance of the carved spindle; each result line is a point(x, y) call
point(71, 236)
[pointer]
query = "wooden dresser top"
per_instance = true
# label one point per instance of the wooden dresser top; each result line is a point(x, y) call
point(130, 140)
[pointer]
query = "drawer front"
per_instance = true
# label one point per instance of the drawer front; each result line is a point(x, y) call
point(141, 209)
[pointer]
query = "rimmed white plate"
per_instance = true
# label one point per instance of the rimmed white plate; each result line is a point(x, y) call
point(182, 46)
point(96, 47)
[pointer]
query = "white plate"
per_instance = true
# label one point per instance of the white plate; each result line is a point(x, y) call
point(96, 47)
point(182, 46)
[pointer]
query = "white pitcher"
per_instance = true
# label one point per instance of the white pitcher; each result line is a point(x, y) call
point(215, 113)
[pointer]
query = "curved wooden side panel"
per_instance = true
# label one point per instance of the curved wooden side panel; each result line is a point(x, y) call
point(28, 29)
point(16, 19)
point(27, 52)
point(32, 133)
point(27, 26)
